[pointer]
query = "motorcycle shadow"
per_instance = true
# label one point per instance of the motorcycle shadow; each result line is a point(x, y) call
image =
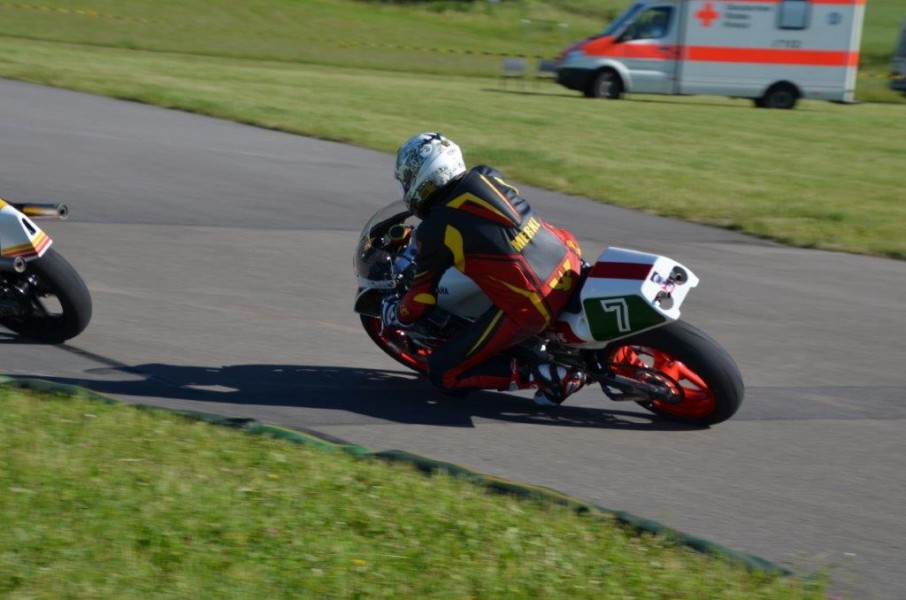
point(397, 396)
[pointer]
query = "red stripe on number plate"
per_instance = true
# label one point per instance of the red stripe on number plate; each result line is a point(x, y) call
point(620, 270)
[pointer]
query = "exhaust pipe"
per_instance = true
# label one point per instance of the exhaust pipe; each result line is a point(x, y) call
point(12, 265)
point(53, 211)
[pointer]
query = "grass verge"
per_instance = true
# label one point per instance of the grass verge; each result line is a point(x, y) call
point(104, 500)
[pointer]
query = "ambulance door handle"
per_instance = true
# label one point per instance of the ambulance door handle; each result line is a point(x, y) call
point(673, 51)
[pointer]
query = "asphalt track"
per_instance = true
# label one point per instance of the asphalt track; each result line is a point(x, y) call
point(219, 257)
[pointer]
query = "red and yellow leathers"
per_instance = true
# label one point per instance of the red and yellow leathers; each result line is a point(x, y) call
point(480, 225)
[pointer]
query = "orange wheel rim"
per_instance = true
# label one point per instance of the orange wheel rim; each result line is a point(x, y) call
point(698, 399)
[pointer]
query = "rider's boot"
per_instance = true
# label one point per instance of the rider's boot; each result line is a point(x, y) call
point(553, 382)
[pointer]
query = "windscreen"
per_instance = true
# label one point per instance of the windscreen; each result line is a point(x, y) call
point(372, 262)
point(617, 26)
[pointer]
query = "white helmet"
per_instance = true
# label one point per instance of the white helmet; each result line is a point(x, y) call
point(425, 163)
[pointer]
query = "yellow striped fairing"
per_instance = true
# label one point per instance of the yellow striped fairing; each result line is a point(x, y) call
point(32, 249)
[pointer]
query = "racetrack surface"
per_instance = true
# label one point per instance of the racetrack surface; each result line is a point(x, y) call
point(219, 257)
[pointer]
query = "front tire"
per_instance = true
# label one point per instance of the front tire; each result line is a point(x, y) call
point(704, 380)
point(396, 345)
point(59, 302)
point(606, 84)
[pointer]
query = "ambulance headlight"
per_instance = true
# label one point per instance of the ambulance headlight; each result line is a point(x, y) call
point(573, 55)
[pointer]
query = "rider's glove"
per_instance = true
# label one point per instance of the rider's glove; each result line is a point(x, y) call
point(390, 312)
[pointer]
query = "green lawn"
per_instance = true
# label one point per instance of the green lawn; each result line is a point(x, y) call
point(107, 501)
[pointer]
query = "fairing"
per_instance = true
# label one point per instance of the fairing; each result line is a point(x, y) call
point(19, 236)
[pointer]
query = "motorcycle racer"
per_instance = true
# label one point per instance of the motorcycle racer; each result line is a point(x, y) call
point(476, 222)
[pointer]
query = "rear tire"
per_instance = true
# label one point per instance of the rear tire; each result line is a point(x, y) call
point(780, 95)
point(701, 373)
point(60, 302)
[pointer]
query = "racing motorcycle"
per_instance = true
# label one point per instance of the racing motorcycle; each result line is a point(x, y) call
point(42, 297)
point(621, 326)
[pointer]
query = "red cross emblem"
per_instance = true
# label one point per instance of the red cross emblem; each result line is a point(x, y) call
point(707, 14)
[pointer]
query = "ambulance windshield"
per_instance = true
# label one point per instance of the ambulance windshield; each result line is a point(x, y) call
point(617, 26)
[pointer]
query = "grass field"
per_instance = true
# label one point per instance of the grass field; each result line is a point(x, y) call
point(107, 501)
point(374, 73)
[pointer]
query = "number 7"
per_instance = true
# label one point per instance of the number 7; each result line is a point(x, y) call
point(621, 309)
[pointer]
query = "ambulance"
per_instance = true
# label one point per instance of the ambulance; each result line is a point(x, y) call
point(773, 51)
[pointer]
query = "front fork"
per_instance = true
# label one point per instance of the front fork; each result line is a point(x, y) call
point(633, 381)
point(15, 295)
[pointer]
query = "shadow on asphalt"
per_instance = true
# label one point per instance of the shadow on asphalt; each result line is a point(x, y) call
point(395, 396)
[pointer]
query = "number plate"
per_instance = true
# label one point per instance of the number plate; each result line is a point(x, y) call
point(619, 316)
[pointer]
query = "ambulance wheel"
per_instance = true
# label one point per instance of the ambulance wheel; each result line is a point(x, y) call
point(607, 84)
point(780, 95)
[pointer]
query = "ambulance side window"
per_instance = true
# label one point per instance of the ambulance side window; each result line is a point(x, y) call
point(793, 14)
point(652, 24)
